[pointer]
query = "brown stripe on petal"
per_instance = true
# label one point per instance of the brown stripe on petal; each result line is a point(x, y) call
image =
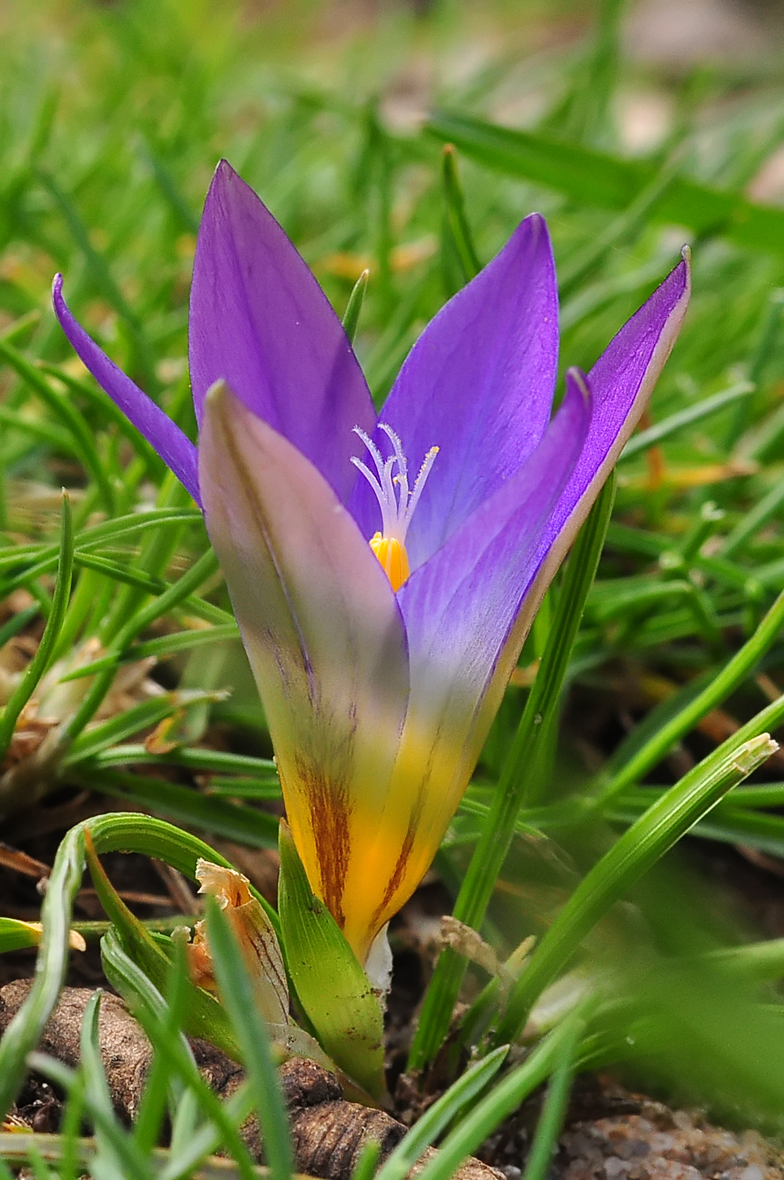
point(329, 816)
point(399, 872)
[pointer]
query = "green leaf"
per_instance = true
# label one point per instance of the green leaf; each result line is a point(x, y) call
point(718, 688)
point(202, 569)
point(14, 935)
point(354, 306)
point(42, 658)
point(173, 1050)
point(76, 426)
point(701, 409)
point(238, 997)
point(458, 255)
point(637, 850)
point(223, 817)
point(610, 182)
point(551, 1120)
point(491, 1111)
point(518, 783)
point(438, 1116)
point(332, 987)
point(130, 721)
point(205, 1016)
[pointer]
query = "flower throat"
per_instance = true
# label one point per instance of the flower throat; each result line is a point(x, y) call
point(395, 499)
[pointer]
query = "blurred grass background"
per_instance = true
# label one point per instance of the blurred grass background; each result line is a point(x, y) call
point(643, 127)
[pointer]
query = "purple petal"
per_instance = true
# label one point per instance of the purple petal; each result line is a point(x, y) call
point(177, 451)
point(478, 384)
point(322, 631)
point(621, 382)
point(459, 609)
point(260, 322)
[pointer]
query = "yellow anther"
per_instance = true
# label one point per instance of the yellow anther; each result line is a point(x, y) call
point(393, 557)
point(396, 500)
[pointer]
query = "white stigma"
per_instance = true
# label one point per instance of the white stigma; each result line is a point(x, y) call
point(390, 482)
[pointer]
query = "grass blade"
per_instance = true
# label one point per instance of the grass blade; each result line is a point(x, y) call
point(40, 661)
point(610, 182)
point(517, 784)
point(503, 1099)
point(636, 851)
point(438, 1116)
point(237, 995)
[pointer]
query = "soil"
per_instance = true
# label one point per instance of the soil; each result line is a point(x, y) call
point(611, 1133)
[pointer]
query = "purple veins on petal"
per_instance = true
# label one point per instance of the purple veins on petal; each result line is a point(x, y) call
point(478, 384)
point(460, 606)
point(260, 322)
point(459, 610)
point(176, 450)
point(621, 382)
point(321, 627)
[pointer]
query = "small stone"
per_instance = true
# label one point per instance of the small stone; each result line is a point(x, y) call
point(752, 1172)
point(633, 1149)
point(615, 1168)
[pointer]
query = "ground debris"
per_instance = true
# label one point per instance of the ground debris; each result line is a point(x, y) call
point(612, 1134)
point(644, 1147)
point(328, 1132)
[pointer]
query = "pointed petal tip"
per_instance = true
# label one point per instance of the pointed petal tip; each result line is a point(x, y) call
point(224, 179)
point(224, 170)
point(686, 264)
point(534, 225)
point(216, 392)
point(176, 450)
point(680, 276)
point(577, 381)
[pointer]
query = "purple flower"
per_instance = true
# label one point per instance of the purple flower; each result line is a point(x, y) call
point(381, 665)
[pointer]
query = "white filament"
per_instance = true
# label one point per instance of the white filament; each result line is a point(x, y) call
point(395, 499)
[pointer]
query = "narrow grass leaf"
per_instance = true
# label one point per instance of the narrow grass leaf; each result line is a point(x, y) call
point(168, 1040)
point(551, 1120)
point(517, 786)
point(109, 1133)
point(220, 817)
point(458, 254)
point(142, 716)
point(734, 672)
point(78, 430)
point(675, 422)
point(205, 1017)
point(610, 182)
point(237, 995)
point(40, 661)
point(438, 1116)
point(634, 852)
point(491, 1111)
point(354, 306)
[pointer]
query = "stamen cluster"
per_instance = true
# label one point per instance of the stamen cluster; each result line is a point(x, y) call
point(395, 499)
